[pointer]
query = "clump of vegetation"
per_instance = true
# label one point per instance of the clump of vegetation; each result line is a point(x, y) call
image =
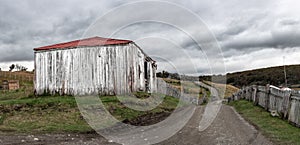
point(278, 130)
point(131, 116)
point(165, 74)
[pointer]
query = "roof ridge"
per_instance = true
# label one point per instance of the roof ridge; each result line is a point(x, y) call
point(92, 41)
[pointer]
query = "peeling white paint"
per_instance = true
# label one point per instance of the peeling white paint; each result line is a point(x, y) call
point(104, 70)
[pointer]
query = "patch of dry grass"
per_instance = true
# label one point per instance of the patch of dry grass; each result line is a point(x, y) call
point(188, 87)
point(297, 89)
point(225, 89)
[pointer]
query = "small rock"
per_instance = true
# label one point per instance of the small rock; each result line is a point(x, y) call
point(72, 138)
point(110, 140)
point(22, 140)
point(36, 139)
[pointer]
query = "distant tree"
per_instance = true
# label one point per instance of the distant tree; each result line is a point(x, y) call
point(24, 69)
point(159, 74)
point(11, 67)
point(20, 67)
point(174, 76)
point(0, 69)
point(165, 74)
point(17, 67)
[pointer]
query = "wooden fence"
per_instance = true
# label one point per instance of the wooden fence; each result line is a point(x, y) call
point(285, 104)
point(21, 76)
point(169, 90)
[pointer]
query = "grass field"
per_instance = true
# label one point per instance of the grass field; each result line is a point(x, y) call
point(60, 113)
point(42, 114)
point(278, 130)
point(21, 111)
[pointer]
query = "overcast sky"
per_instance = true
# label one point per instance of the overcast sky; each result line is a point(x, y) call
point(251, 34)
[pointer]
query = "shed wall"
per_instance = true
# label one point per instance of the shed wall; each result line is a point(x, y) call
point(104, 70)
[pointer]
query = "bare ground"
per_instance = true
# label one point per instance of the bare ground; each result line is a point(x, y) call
point(228, 128)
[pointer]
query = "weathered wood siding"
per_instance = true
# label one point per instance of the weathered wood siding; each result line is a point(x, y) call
point(285, 103)
point(104, 70)
point(294, 112)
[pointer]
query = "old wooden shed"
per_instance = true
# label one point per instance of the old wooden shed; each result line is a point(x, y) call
point(93, 66)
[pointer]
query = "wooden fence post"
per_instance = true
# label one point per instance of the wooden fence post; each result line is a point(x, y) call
point(286, 103)
point(255, 96)
point(250, 93)
point(267, 97)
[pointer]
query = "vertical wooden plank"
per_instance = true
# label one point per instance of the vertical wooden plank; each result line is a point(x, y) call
point(255, 96)
point(286, 103)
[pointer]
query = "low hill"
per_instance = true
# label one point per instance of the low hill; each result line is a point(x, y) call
point(263, 76)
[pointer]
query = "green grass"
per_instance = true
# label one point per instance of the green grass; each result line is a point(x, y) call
point(42, 114)
point(26, 89)
point(21, 111)
point(55, 114)
point(41, 101)
point(278, 130)
point(121, 112)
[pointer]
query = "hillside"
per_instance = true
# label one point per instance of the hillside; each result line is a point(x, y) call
point(272, 75)
point(22, 76)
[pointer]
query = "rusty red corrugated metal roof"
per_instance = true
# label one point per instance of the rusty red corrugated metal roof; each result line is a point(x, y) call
point(94, 41)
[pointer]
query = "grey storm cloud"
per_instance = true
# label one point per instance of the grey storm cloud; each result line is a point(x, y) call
point(274, 39)
point(31, 24)
point(240, 27)
point(290, 22)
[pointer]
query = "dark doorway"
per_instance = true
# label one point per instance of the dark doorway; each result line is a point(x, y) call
point(146, 76)
point(145, 70)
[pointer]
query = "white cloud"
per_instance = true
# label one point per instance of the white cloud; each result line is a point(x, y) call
point(252, 33)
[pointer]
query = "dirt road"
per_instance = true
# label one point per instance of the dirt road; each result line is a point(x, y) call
point(227, 128)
